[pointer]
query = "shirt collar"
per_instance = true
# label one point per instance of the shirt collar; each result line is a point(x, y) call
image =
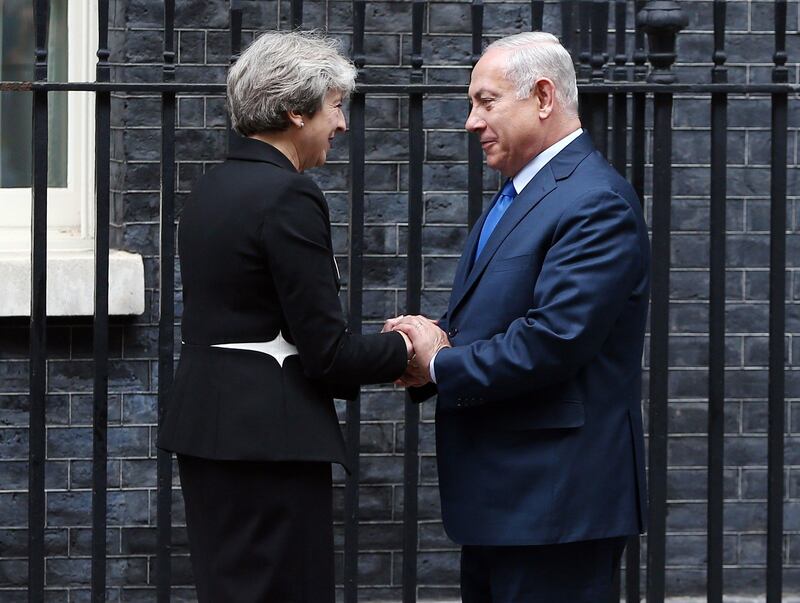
point(526, 174)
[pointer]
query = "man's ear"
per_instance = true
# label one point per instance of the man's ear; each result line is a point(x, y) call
point(544, 90)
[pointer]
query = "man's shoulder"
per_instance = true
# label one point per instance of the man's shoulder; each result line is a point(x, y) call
point(595, 174)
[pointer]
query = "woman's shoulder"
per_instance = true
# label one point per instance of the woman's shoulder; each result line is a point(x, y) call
point(287, 195)
point(270, 183)
point(279, 181)
point(304, 184)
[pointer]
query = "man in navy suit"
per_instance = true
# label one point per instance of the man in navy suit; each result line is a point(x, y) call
point(537, 361)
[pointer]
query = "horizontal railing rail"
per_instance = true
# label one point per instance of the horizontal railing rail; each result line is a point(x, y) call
point(615, 90)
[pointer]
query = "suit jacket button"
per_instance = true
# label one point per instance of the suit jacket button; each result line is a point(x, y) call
point(452, 332)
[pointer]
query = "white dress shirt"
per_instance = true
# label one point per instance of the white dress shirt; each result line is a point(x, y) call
point(523, 177)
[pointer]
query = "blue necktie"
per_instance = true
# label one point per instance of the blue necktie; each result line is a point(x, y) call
point(498, 209)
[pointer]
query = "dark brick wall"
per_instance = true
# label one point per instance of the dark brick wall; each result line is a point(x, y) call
point(203, 53)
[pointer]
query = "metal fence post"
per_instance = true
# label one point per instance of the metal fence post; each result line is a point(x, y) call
point(716, 333)
point(355, 304)
point(38, 323)
point(661, 21)
point(777, 311)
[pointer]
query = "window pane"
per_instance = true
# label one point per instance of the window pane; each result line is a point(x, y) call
point(16, 64)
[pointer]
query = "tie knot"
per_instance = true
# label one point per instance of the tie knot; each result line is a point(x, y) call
point(508, 189)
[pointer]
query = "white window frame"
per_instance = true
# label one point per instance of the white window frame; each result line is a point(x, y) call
point(70, 210)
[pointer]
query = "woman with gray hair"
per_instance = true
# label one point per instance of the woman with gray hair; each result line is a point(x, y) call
point(266, 347)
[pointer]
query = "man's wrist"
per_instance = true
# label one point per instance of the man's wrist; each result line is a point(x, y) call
point(443, 343)
point(431, 370)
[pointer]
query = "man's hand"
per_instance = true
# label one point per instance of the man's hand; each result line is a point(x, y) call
point(427, 339)
point(391, 322)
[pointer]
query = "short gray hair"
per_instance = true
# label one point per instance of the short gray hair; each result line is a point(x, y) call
point(539, 54)
point(281, 72)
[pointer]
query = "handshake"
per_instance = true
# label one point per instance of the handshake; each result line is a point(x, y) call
point(423, 339)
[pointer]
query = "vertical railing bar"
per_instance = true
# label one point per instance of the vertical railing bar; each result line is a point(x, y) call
point(296, 14)
point(619, 155)
point(716, 328)
point(236, 47)
point(599, 39)
point(662, 21)
point(567, 27)
point(599, 102)
point(100, 331)
point(633, 551)
point(620, 101)
point(584, 69)
point(236, 29)
point(777, 297)
point(355, 305)
point(638, 133)
point(659, 342)
point(416, 150)
point(537, 15)
point(597, 111)
point(38, 321)
point(474, 150)
point(166, 306)
point(584, 36)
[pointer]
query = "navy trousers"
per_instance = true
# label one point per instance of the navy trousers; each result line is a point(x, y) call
point(575, 572)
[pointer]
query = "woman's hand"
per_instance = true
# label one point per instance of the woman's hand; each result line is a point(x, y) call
point(409, 345)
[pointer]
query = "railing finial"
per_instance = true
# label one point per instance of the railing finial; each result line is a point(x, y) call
point(661, 21)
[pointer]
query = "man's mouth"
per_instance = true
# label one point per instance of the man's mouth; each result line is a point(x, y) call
point(487, 143)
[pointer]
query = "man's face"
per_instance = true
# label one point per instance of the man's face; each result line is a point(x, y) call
point(508, 128)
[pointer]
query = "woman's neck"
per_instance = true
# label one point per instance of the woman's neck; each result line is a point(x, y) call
point(282, 141)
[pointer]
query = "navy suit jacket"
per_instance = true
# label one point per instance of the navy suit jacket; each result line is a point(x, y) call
point(538, 423)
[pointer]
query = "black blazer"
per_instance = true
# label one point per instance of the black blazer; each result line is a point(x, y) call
point(256, 260)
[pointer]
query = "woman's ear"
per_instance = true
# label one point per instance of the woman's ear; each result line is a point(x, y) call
point(296, 119)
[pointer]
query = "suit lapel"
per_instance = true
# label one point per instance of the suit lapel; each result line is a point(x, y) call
point(536, 190)
point(558, 168)
point(465, 262)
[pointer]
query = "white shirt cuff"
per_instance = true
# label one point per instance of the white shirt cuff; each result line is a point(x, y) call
point(430, 368)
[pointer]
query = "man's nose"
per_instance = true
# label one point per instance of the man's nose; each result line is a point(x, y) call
point(473, 122)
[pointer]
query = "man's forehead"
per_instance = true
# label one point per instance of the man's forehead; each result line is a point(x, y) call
point(488, 76)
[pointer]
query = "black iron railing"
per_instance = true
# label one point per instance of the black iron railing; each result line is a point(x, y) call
point(626, 85)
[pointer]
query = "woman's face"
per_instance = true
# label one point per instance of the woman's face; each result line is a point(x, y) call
point(319, 130)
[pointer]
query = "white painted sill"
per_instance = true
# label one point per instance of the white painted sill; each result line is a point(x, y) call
point(70, 281)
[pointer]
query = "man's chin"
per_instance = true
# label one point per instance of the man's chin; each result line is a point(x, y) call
point(494, 163)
